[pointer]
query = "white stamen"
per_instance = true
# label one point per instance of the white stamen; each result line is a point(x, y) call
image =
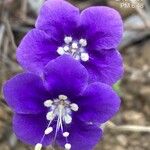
point(74, 107)
point(38, 146)
point(66, 134)
point(84, 56)
point(50, 115)
point(74, 45)
point(60, 51)
point(48, 130)
point(66, 48)
point(68, 146)
point(60, 109)
point(67, 119)
point(76, 48)
point(63, 97)
point(48, 103)
point(83, 42)
point(68, 39)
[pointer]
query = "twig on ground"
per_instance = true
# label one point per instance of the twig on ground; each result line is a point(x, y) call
point(142, 14)
point(136, 28)
point(28, 21)
point(128, 128)
point(147, 5)
point(9, 32)
point(23, 9)
point(2, 30)
point(23, 15)
point(4, 57)
point(20, 28)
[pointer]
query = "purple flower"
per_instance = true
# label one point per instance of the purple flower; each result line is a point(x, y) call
point(62, 107)
point(90, 37)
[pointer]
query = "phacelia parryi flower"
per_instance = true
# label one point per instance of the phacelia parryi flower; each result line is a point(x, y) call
point(90, 37)
point(61, 107)
point(71, 60)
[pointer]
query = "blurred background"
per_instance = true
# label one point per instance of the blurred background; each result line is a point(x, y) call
point(130, 128)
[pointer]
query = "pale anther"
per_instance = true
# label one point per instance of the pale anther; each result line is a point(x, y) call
point(84, 56)
point(63, 97)
point(48, 130)
point(68, 39)
point(48, 103)
point(66, 48)
point(38, 146)
point(83, 42)
point(60, 51)
point(68, 146)
point(67, 119)
point(66, 134)
point(50, 115)
point(74, 107)
point(74, 45)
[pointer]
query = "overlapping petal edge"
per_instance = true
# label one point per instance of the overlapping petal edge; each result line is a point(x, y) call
point(101, 27)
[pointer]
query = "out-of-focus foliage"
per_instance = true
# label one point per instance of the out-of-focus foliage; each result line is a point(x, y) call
point(116, 87)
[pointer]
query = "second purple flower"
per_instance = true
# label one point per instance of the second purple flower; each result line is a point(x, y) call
point(90, 37)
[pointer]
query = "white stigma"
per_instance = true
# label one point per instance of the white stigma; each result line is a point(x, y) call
point(60, 51)
point(48, 130)
point(66, 134)
point(84, 56)
point(67, 119)
point(48, 103)
point(38, 146)
point(83, 42)
point(68, 39)
point(74, 107)
point(68, 146)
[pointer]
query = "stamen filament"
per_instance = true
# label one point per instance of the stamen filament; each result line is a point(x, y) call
point(62, 109)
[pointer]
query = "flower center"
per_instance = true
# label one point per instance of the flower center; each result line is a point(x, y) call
point(60, 108)
point(74, 48)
